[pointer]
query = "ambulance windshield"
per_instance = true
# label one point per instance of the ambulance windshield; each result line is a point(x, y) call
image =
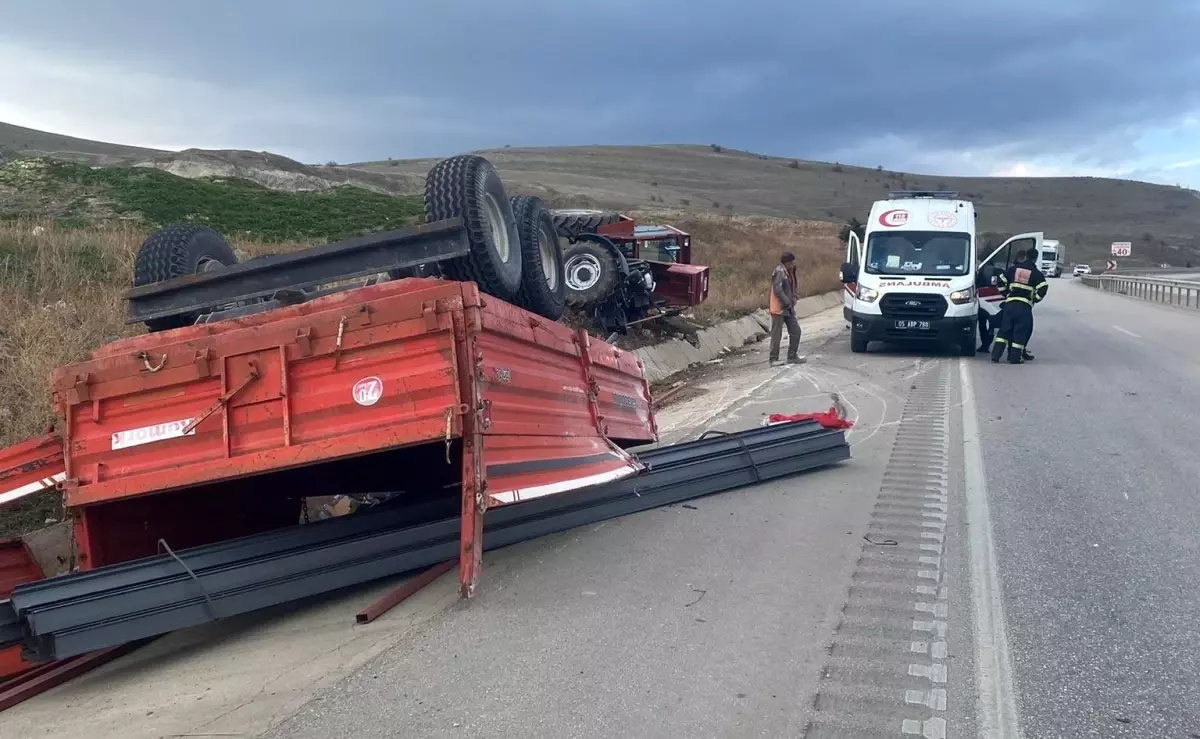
point(930, 253)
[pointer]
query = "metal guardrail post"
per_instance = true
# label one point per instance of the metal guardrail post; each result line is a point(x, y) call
point(1180, 293)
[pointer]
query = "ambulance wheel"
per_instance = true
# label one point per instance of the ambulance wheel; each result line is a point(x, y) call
point(966, 346)
point(858, 342)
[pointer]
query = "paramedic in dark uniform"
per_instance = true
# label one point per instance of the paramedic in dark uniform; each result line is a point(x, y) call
point(1022, 285)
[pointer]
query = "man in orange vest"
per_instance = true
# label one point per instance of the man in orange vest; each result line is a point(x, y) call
point(783, 310)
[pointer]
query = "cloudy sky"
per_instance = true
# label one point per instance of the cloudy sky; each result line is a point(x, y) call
point(1041, 87)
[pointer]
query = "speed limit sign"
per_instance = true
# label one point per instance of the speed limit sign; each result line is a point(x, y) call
point(1121, 248)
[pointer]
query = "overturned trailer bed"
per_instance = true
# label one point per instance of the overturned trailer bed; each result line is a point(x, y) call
point(217, 430)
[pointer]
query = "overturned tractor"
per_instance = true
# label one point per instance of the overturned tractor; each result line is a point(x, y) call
point(621, 274)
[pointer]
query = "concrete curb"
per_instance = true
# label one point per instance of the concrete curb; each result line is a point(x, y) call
point(674, 356)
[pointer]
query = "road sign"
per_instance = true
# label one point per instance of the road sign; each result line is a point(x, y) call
point(1121, 248)
point(1111, 265)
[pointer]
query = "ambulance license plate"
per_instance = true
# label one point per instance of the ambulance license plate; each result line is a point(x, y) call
point(919, 325)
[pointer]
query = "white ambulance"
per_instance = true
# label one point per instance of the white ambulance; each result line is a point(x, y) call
point(915, 278)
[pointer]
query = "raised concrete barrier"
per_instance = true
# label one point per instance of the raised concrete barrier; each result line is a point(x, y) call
point(670, 357)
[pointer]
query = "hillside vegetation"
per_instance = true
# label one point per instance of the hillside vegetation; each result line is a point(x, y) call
point(76, 194)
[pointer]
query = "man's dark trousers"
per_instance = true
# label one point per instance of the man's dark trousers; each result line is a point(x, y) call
point(793, 329)
point(1016, 326)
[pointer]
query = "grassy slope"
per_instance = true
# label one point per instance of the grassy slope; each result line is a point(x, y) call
point(231, 206)
point(1085, 213)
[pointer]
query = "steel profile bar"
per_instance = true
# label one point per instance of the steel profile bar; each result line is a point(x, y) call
point(374, 543)
point(114, 615)
point(262, 278)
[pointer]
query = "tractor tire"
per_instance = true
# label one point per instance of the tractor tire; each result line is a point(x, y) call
point(590, 273)
point(542, 290)
point(571, 223)
point(468, 187)
point(176, 251)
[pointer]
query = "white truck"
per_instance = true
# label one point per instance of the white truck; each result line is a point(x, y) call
point(914, 277)
point(1052, 258)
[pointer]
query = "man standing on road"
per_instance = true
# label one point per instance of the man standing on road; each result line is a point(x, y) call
point(1022, 285)
point(783, 309)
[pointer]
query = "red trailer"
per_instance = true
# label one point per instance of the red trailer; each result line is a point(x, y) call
point(274, 387)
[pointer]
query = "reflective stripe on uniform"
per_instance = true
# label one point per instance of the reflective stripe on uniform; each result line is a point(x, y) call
point(1018, 346)
point(1015, 299)
point(999, 340)
point(1021, 285)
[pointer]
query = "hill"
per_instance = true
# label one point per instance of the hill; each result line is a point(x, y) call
point(1086, 213)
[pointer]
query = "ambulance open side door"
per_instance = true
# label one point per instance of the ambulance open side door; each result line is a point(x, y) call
point(850, 274)
point(998, 261)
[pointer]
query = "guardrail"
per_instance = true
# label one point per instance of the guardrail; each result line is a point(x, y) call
point(1171, 292)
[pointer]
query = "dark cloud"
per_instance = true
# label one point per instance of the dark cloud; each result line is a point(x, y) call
point(1079, 79)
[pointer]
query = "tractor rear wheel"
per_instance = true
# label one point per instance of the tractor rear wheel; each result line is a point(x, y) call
point(468, 187)
point(542, 290)
point(176, 251)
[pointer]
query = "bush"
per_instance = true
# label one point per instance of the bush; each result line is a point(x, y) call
point(838, 167)
point(716, 148)
point(794, 164)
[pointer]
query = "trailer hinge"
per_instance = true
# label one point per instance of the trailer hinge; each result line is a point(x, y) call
point(484, 412)
point(80, 392)
point(304, 341)
point(479, 367)
point(429, 313)
point(203, 368)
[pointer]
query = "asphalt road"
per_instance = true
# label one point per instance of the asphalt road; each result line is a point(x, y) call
point(755, 613)
point(1092, 459)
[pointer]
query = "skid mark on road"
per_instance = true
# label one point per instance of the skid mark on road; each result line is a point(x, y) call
point(887, 673)
point(1127, 332)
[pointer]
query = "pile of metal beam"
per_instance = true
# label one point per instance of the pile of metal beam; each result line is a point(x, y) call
point(70, 615)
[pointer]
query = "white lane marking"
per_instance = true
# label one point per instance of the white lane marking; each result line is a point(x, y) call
point(996, 708)
point(1125, 494)
point(1126, 331)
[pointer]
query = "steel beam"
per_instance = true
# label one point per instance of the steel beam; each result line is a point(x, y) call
point(154, 597)
point(263, 278)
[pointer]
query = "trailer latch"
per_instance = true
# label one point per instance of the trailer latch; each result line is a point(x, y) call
point(221, 401)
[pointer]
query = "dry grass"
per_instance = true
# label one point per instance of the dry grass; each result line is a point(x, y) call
point(741, 252)
point(62, 296)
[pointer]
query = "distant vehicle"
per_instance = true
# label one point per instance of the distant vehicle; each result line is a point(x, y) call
point(914, 276)
point(1083, 269)
point(1052, 257)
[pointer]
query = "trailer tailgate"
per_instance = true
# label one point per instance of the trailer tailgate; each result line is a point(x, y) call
point(343, 375)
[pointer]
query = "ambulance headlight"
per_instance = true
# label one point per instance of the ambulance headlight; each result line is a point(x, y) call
point(962, 297)
point(868, 294)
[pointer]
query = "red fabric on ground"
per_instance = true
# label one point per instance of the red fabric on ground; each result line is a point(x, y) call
point(830, 419)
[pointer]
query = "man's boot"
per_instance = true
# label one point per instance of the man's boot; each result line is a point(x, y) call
point(997, 350)
point(1027, 356)
point(797, 360)
point(1014, 356)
